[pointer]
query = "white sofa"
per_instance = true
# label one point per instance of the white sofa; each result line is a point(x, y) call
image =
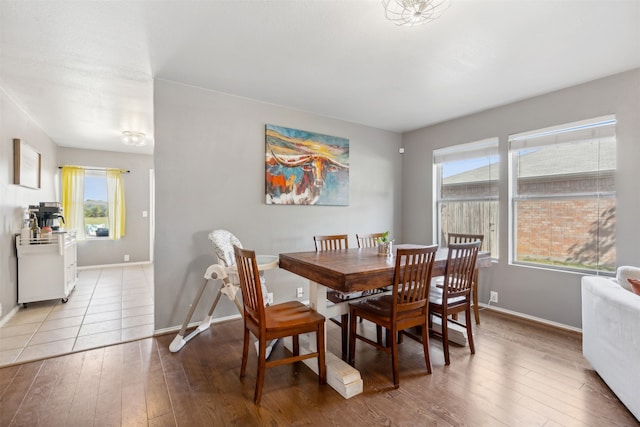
point(611, 336)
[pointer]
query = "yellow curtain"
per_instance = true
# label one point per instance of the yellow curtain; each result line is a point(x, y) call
point(115, 194)
point(73, 199)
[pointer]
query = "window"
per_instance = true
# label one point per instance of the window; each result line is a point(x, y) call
point(466, 191)
point(562, 182)
point(93, 202)
point(96, 204)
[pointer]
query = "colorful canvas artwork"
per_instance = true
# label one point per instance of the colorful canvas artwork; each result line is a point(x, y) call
point(305, 168)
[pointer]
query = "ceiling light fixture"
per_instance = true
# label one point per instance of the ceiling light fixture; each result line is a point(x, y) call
point(414, 12)
point(137, 139)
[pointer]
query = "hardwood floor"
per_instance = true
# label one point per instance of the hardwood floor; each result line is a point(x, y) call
point(522, 374)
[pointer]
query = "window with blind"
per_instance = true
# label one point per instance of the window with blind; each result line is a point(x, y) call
point(466, 191)
point(563, 196)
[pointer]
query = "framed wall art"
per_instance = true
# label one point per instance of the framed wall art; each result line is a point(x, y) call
point(305, 168)
point(27, 165)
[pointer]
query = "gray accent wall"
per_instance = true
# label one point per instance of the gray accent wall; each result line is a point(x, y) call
point(135, 242)
point(15, 123)
point(210, 172)
point(541, 293)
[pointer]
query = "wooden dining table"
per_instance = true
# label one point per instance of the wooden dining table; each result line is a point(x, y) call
point(348, 271)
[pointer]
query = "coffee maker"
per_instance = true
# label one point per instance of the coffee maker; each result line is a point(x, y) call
point(48, 214)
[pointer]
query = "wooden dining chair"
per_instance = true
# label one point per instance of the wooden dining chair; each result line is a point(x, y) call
point(368, 240)
point(330, 243)
point(266, 323)
point(454, 296)
point(466, 238)
point(405, 307)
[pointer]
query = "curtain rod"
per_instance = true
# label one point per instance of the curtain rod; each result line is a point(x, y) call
point(100, 169)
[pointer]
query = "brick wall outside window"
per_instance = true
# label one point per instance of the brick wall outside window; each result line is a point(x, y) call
point(567, 231)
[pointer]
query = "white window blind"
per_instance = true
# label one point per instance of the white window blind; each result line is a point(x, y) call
point(473, 150)
point(562, 183)
point(466, 191)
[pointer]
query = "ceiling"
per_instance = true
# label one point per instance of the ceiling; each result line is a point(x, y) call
point(84, 70)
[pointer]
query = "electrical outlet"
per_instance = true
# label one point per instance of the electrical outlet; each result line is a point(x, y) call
point(493, 297)
point(270, 298)
point(299, 293)
point(126, 258)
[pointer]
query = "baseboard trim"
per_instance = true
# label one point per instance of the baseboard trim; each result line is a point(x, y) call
point(530, 318)
point(91, 267)
point(175, 329)
point(215, 320)
point(9, 315)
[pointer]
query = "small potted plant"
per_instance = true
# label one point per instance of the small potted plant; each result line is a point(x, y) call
point(384, 244)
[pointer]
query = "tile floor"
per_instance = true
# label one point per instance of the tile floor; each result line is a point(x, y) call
point(109, 305)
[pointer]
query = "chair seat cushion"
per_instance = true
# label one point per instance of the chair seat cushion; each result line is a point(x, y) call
point(435, 296)
point(381, 307)
point(290, 313)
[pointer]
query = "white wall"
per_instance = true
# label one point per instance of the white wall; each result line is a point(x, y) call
point(135, 243)
point(209, 165)
point(549, 295)
point(15, 123)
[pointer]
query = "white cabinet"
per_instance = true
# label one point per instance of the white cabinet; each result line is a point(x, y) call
point(46, 268)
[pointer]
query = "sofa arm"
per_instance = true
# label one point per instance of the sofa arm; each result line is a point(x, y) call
point(611, 336)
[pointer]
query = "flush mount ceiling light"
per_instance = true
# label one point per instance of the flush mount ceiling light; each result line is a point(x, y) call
point(414, 12)
point(137, 139)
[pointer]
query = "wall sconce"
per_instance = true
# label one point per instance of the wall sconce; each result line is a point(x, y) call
point(136, 139)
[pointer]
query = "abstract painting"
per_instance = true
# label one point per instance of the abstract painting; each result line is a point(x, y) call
point(305, 168)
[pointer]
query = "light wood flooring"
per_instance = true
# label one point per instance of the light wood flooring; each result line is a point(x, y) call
point(522, 374)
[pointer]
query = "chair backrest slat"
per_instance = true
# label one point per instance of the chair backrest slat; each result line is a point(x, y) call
point(368, 240)
point(464, 238)
point(412, 278)
point(250, 285)
point(461, 263)
point(331, 243)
